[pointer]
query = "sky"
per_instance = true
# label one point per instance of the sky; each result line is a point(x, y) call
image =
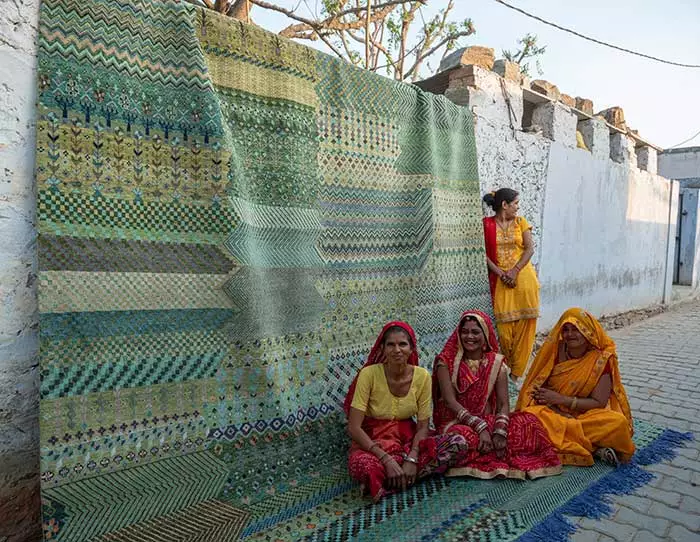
point(659, 100)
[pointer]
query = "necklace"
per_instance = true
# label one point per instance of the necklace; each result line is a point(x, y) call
point(506, 227)
point(474, 364)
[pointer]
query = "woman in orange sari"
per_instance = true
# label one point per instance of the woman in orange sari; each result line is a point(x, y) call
point(389, 450)
point(514, 287)
point(574, 388)
point(470, 382)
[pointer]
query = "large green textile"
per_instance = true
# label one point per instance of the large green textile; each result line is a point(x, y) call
point(226, 220)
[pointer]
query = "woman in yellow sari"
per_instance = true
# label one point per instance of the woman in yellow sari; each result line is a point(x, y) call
point(514, 287)
point(574, 388)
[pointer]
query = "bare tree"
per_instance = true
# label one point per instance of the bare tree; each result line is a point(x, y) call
point(391, 36)
point(528, 50)
point(238, 9)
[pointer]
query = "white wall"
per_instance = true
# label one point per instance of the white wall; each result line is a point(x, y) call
point(605, 235)
point(506, 157)
point(19, 379)
point(602, 228)
point(681, 163)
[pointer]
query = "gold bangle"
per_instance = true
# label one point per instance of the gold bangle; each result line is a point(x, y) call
point(573, 403)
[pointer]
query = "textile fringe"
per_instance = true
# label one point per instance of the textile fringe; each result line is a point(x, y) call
point(595, 501)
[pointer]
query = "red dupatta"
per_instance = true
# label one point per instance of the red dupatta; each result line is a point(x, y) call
point(377, 356)
point(472, 387)
point(491, 249)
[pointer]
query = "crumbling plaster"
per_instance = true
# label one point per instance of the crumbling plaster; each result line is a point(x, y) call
point(19, 377)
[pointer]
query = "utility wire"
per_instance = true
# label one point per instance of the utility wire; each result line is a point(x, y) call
point(684, 142)
point(599, 42)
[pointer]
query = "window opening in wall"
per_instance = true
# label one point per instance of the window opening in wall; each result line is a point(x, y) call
point(528, 110)
point(584, 138)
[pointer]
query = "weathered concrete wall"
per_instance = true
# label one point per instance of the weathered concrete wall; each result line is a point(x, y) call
point(682, 164)
point(507, 156)
point(601, 224)
point(605, 236)
point(19, 378)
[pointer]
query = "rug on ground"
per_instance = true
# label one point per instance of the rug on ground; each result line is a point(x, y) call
point(226, 219)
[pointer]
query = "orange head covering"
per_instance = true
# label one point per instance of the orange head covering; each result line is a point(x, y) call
point(546, 358)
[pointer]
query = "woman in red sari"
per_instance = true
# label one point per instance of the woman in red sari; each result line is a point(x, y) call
point(470, 382)
point(389, 449)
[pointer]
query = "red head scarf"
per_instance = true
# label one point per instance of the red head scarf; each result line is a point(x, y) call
point(376, 355)
point(453, 342)
point(453, 346)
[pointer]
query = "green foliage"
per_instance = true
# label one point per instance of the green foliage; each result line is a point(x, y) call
point(528, 50)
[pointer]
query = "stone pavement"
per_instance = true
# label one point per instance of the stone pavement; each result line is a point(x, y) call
point(660, 365)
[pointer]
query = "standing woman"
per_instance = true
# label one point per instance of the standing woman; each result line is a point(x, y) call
point(514, 287)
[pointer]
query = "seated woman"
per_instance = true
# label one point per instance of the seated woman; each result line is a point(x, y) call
point(470, 383)
point(389, 450)
point(574, 388)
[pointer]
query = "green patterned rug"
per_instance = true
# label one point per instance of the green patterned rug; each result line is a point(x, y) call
point(465, 508)
point(226, 220)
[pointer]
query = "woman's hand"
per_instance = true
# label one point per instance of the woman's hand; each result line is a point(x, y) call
point(409, 471)
point(499, 445)
point(545, 396)
point(394, 474)
point(485, 443)
point(505, 280)
point(510, 277)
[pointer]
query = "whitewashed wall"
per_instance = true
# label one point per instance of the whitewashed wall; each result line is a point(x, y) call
point(604, 237)
point(683, 163)
point(603, 229)
point(19, 379)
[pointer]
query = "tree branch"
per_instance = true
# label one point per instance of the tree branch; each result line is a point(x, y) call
point(523, 54)
point(442, 42)
point(288, 12)
point(428, 38)
point(367, 36)
point(392, 4)
point(329, 24)
point(325, 40)
point(346, 46)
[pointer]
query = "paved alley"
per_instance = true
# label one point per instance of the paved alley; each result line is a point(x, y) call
point(660, 364)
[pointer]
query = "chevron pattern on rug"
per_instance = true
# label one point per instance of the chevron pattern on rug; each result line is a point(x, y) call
point(113, 501)
point(226, 218)
point(207, 521)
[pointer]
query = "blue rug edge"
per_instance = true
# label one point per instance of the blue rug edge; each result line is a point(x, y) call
point(595, 501)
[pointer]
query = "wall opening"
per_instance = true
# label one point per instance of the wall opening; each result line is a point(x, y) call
point(528, 110)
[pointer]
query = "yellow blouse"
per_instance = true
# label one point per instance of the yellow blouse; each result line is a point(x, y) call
point(509, 242)
point(523, 301)
point(373, 397)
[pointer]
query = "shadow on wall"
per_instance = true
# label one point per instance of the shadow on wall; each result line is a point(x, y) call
point(605, 235)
